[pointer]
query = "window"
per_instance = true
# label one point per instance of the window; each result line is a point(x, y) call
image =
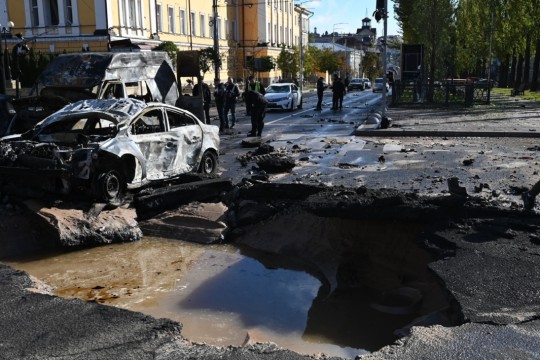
point(35, 13)
point(170, 17)
point(150, 122)
point(227, 29)
point(193, 24)
point(183, 22)
point(211, 27)
point(203, 25)
point(233, 30)
point(132, 14)
point(51, 12)
point(159, 20)
point(276, 39)
point(220, 34)
point(269, 32)
point(69, 12)
point(177, 120)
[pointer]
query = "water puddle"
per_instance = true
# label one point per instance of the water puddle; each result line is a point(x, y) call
point(220, 295)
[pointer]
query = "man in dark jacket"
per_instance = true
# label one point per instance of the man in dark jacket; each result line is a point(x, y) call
point(258, 111)
point(207, 98)
point(338, 89)
point(219, 97)
point(320, 91)
point(231, 94)
point(256, 86)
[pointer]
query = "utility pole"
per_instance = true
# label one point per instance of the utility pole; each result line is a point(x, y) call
point(385, 35)
point(216, 40)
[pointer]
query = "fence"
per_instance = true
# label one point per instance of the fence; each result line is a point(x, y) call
point(447, 94)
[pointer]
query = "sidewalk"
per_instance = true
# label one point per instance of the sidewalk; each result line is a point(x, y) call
point(504, 117)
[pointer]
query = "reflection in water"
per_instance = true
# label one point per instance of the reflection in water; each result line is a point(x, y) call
point(230, 299)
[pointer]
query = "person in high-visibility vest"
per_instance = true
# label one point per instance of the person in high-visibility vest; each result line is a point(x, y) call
point(256, 86)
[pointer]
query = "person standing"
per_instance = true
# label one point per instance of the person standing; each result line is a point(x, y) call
point(258, 111)
point(207, 99)
point(231, 94)
point(256, 86)
point(320, 91)
point(219, 97)
point(338, 90)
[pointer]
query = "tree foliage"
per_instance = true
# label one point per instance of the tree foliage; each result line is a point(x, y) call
point(288, 62)
point(208, 58)
point(170, 48)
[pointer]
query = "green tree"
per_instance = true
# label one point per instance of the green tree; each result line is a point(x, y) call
point(329, 61)
point(287, 61)
point(370, 64)
point(170, 48)
point(261, 64)
point(207, 58)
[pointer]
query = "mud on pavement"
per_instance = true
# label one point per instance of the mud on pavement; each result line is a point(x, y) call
point(464, 268)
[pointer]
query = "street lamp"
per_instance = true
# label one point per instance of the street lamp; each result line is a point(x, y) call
point(5, 61)
point(333, 34)
point(5, 30)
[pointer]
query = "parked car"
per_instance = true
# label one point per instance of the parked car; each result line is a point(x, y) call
point(284, 96)
point(356, 83)
point(378, 85)
point(367, 83)
point(107, 146)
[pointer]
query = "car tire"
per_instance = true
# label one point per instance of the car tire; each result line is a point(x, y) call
point(209, 163)
point(108, 186)
point(301, 102)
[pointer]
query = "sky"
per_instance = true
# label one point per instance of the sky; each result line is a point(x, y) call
point(328, 13)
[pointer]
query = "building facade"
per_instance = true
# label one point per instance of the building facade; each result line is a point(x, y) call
point(245, 28)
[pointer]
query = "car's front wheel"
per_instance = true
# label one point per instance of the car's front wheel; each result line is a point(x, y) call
point(208, 163)
point(108, 186)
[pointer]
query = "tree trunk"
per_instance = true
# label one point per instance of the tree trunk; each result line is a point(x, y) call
point(536, 66)
point(527, 65)
point(503, 73)
point(519, 72)
point(512, 80)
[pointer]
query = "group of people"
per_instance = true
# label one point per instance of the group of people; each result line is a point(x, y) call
point(339, 89)
point(226, 97)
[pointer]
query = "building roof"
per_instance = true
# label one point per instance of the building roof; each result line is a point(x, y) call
point(332, 46)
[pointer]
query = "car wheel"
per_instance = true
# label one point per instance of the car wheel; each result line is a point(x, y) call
point(108, 186)
point(301, 101)
point(208, 163)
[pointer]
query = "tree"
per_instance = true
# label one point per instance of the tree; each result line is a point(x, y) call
point(329, 61)
point(370, 64)
point(170, 48)
point(207, 58)
point(261, 64)
point(287, 62)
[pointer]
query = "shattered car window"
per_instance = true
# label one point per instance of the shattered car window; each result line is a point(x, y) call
point(177, 120)
point(148, 123)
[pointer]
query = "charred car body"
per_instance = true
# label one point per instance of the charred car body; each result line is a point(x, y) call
point(146, 76)
point(107, 146)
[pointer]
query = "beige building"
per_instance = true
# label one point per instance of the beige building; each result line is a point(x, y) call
point(246, 29)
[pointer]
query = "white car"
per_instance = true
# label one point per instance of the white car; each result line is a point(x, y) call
point(107, 146)
point(378, 85)
point(367, 83)
point(284, 96)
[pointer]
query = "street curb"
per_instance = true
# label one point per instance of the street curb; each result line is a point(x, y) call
point(444, 133)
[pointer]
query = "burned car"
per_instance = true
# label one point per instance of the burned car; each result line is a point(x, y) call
point(108, 146)
point(147, 76)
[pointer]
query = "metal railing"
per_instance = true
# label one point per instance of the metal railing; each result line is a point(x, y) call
point(448, 94)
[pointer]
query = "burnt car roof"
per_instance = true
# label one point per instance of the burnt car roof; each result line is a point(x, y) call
point(116, 109)
point(86, 70)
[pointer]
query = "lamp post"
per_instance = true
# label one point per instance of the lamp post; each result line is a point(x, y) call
point(303, 12)
point(5, 61)
point(216, 40)
point(5, 30)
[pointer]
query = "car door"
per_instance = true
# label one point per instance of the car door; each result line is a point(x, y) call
point(189, 138)
point(158, 149)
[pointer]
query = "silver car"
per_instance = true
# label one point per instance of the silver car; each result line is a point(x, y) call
point(107, 146)
point(378, 85)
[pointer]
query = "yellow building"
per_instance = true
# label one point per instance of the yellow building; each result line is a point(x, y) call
point(245, 28)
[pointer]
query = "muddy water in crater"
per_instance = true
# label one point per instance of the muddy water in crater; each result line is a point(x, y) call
point(220, 296)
